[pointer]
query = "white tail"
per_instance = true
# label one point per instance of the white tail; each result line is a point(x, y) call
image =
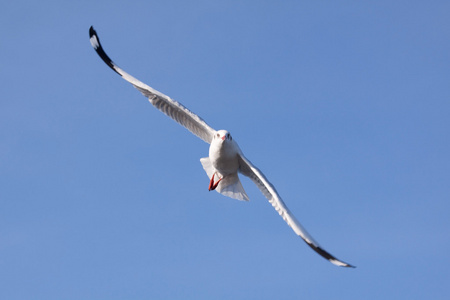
point(230, 185)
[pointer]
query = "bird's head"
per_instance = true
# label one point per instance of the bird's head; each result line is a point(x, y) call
point(222, 135)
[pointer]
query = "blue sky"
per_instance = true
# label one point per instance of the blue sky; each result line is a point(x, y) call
point(343, 105)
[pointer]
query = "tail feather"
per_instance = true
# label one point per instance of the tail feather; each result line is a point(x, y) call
point(207, 166)
point(230, 185)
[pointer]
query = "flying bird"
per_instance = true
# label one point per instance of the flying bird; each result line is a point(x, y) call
point(225, 158)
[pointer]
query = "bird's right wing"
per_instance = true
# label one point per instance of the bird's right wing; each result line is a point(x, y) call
point(168, 106)
point(249, 170)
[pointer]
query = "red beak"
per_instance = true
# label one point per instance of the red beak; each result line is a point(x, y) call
point(223, 138)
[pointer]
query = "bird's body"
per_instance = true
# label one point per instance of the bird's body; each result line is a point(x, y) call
point(222, 166)
point(223, 153)
point(225, 158)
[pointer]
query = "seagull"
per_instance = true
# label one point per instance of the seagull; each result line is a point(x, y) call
point(225, 158)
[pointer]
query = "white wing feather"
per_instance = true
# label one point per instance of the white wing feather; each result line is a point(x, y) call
point(200, 128)
point(168, 106)
point(269, 191)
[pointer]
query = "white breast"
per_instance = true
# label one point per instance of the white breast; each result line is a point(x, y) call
point(224, 156)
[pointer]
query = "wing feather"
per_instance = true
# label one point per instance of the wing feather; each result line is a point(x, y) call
point(269, 191)
point(168, 106)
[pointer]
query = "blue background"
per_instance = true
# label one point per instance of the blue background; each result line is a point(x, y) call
point(344, 105)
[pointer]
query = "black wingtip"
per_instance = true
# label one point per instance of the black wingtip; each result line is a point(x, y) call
point(93, 38)
point(92, 32)
point(330, 257)
point(95, 42)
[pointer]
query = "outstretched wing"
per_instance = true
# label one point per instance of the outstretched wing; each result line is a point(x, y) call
point(249, 170)
point(170, 107)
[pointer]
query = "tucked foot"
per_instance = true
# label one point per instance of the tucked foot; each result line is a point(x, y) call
point(213, 185)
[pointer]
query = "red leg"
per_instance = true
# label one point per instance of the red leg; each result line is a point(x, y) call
point(213, 185)
point(216, 184)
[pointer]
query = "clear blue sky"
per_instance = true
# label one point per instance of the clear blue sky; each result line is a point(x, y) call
point(344, 106)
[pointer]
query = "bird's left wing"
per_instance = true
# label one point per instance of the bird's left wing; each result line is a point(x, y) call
point(170, 107)
point(249, 170)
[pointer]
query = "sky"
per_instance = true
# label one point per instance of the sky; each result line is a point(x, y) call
point(344, 105)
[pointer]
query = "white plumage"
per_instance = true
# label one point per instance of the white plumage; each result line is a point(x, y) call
point(225, 158)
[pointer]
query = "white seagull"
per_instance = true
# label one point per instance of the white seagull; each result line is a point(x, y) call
point(225, 159)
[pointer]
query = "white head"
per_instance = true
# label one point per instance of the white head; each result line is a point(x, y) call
point(222, 135)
